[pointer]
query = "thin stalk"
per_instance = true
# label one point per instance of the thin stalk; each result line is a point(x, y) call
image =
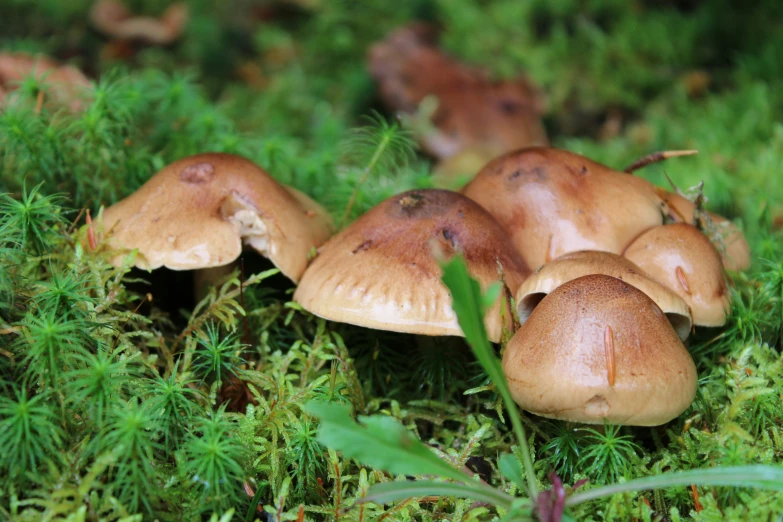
point(379, 150)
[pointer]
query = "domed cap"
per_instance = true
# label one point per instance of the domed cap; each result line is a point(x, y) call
point(473, 112)
point(381, 272)
point(113, 18)
point(552, 202)
point(586, 262)
point(197, 212)
point(737, 251)
point(682, 258)
point(597, 349)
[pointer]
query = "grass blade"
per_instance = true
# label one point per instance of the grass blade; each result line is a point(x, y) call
point(759, 476)
point(393, 491)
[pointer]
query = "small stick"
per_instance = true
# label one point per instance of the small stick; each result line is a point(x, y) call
point(242, 300)
point(655, 157)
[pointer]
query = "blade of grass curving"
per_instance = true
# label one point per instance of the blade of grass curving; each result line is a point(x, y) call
point(757, 476)
point(393, 491)
point(379, 441)
point(467, 304)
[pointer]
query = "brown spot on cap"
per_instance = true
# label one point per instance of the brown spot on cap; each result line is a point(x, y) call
point(198, 173)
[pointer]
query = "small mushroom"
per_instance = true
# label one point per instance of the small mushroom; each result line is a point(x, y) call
point(586, 262)
point(380, 272)
point(597, 349)
point(66, 83)
point(682, 258)
point(736, 254)
point(112, 17)
point(473, 111)
point(551, 202)
point(197, 212)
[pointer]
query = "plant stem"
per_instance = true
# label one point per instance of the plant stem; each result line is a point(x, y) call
point(379, 150)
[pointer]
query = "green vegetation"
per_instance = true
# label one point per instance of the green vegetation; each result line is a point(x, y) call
point(112, 408)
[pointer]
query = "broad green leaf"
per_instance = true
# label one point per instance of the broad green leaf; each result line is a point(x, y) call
point(467, 304)
point(511, 469)
point(379, 441)
point(760, 476)
point(393, 491)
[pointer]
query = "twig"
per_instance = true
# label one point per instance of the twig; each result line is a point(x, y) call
point(655, 157)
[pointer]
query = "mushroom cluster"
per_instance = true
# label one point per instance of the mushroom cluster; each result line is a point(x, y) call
point(623, 273)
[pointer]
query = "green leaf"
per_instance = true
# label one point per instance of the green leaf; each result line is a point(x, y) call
point(379, 441)
point(393, 491)
point(511, 469)
point(759, 476)
point(467, 304)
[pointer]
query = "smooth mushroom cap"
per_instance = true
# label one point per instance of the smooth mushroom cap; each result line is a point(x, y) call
point(737, 251)
point(551, 202)
point(473, 111)
point(597, 349)
point(198, 211)
point(381, 271)
point(682, 258)
point(586, 262)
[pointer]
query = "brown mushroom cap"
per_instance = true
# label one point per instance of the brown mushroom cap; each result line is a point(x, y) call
point(682, 258)
point(65, 81)
point(197, 212)
point(473, 111)
point(113, 18)
point(737, 251)
point(597, 349)
point(586, 262)
point(551, 202)
point(380, 271)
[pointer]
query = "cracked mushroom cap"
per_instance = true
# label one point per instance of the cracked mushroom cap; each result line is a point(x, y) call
point(682, 258)
point(597, 349)
point(551, 202)
point(381, 272)
point(736, 255)
point(198, 211)
point(586, 262)
point(473, 111)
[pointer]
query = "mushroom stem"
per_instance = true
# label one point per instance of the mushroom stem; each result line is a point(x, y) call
point(656, 157)
point(206, 277)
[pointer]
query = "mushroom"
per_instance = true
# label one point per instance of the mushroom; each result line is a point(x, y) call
point(197, 212)
point(586, 262)
point(679, 256)
point(597, 349)
point(736, 251)
point(473, 112)
point(65, 81)
point(381, 272)
point(113, 18)
point(551, 202)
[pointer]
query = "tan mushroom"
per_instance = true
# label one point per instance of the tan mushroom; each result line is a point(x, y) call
point(113, 18)
point(586, 262)
point(380, 272)
point(736, 254)
point(551, 202)
point(473, 112)
point(597, 349)
point(66, 84)
point(197, 212)
point(682, 258)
